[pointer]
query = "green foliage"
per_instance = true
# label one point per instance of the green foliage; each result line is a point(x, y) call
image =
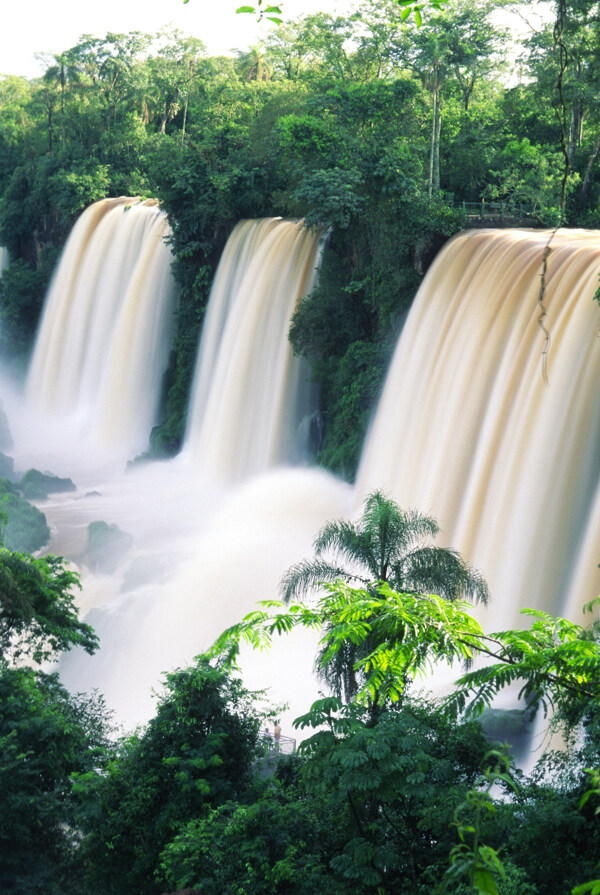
point(269, 12)
point(46, 736)
point(281, 841)
point(23, 526)
point(38, 485)
point(195, 754)
point(356, 749)
point(402, 776)
point(22, 290)
point(397, 637)
point(531, 175)
point(470, 859)
point(546, 835)
point(556, 661)
point(385, 545)
point(331, 196)
point(352, 389)
point(38, 616)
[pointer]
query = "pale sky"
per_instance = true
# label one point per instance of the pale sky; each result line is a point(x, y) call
point(33, 26)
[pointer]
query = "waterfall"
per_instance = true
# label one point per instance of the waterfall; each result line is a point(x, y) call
point(471, 429)
point(212, 531)
point(4, 258)
point(250, 393)
point(103, 341)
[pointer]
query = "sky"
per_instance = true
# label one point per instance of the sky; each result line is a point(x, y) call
point(38, 26)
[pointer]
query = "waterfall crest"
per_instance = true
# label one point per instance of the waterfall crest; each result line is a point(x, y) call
point(250, 393)
point(103, 341)
point(469, 430)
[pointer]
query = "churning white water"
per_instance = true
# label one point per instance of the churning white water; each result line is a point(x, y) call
point(467, 429)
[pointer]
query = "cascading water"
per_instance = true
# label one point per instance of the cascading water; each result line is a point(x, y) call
point(202, 550)
point(250, 393)
point(467, 430)
point(470, 430)
point(104, 336)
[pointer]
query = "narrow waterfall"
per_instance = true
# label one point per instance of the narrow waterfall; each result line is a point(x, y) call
point(472, 429)
point(4, 259)
point(250, 393)
point(103, 341)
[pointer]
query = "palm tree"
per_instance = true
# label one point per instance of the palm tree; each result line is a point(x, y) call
point(384, 545)
point(254, 66)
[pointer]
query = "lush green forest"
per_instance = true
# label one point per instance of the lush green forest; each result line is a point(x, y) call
point(390, 138)
point(391, 791)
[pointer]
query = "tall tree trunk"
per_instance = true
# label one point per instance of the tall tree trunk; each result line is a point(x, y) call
point(436, 156)
point(50, 130)
point(185, 109)
point(63, 85)
point(588, 173)
point(432, 153)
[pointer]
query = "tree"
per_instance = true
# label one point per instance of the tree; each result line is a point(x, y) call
point(556, 661)
point(253, 65)
point(363, 809)
point(384, 545)
point(196, 753)
point(558, 665)
point(110, 65)
point(38, 616)
point(61, 70)
point(172, 72)
point(475, 44)
point(46, 737)
point(280, 841)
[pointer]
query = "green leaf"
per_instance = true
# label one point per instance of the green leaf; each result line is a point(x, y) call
point(484, 882)
point(591, 888)
point(246, 9)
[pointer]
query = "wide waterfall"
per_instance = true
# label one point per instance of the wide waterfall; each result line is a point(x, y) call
point(494, 430)
point(251, 396)
point(482, 424)
point(103, 341)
